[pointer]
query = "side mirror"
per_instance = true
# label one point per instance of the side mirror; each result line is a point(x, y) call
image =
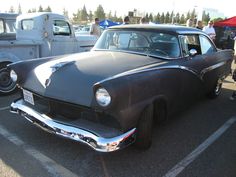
point(192, 52)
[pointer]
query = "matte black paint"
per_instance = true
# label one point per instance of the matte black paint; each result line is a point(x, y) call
point(133, 81)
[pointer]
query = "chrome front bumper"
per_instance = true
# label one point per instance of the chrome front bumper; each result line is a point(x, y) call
point(98, 143)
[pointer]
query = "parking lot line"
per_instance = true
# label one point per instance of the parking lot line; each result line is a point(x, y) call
point(6, 169)
point(178, 168)
point(51, 166)
point(4, 108)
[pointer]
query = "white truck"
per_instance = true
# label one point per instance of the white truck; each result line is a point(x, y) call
point(38, 35)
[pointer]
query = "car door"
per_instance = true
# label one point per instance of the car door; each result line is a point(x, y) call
point(191, 65)
point(214, 63)
point(63, 41)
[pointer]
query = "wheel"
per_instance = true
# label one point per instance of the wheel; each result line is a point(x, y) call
point(217, 89)
point(7, 86)
point(160, 112)
point(144, 129)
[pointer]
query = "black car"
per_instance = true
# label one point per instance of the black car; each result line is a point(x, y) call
point(110, 97)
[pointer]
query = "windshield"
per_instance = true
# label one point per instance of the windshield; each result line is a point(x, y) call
point(144, 42)
point(10, 26)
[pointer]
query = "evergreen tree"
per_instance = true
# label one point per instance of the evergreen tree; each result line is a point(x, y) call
point(90, 16)
point(157, 18)
point(177, 18)
point(162, 19)
point(193, 14)
point(19, 9)
point(84, 14)
point(167, 18)
point(76, 16)
point(48, 9)
point(188, 16)
point(12, 10)
point(205, 17)
point(150, 17)
point(33, 10)
point(99, 13)
point(182, 19)
point(40, 9)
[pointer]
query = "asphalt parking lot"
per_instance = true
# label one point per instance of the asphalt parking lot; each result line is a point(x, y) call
point(197, 142)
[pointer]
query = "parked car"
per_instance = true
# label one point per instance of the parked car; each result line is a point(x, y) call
point(110, 97)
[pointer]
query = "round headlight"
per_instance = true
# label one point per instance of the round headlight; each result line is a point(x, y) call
point(102, 96)
point(13, 76)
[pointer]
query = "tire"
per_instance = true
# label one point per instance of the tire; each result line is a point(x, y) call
point(144, 129)
point(217, 89)
point(7, 86)
point(160, 112)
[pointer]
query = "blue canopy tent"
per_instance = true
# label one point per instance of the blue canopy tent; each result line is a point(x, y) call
point(107, 23)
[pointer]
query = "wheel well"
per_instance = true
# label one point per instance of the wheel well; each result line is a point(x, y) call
point(4, 63)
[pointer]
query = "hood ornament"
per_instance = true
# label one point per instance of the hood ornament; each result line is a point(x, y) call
point(59, 65)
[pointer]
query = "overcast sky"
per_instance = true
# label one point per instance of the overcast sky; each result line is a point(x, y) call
point(122, 6)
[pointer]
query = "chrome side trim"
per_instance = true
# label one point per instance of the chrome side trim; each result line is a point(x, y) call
point(135, 71)
point(204, 71)
point(96, 142)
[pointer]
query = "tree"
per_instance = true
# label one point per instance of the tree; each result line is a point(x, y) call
point(90, 16)
point(76, 16)
point(99, 13)
point(167, 17)
point(12, 10)
point(162, 19)
point(19, 9)
point(48, 9)
point(177, 18)
point(205, 17)
point(65, 13)
point(188, 16)
point(193, 14)
point(157, 18)
point(182, 19)
point(84, 14)
point(40, 9)
point(150, 17)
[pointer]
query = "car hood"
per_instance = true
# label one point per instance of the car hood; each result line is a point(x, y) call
point(71, 78)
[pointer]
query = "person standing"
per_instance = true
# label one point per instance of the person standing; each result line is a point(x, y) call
point(126, 20)
point(209, 29)
point(95, 28)
point(199, 25)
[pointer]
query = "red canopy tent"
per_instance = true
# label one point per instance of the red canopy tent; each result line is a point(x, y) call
point(227, 22)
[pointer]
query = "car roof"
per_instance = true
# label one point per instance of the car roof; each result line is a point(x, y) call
point(160, 27)
point(8, 15)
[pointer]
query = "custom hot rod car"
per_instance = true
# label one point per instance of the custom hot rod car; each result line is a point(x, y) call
point(110, 97)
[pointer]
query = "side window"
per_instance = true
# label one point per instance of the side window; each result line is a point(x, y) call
point(206, 46)
point(27, 24)
point(10, 26)
point(189, 42)
point(61, 27)
point(1, 26)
